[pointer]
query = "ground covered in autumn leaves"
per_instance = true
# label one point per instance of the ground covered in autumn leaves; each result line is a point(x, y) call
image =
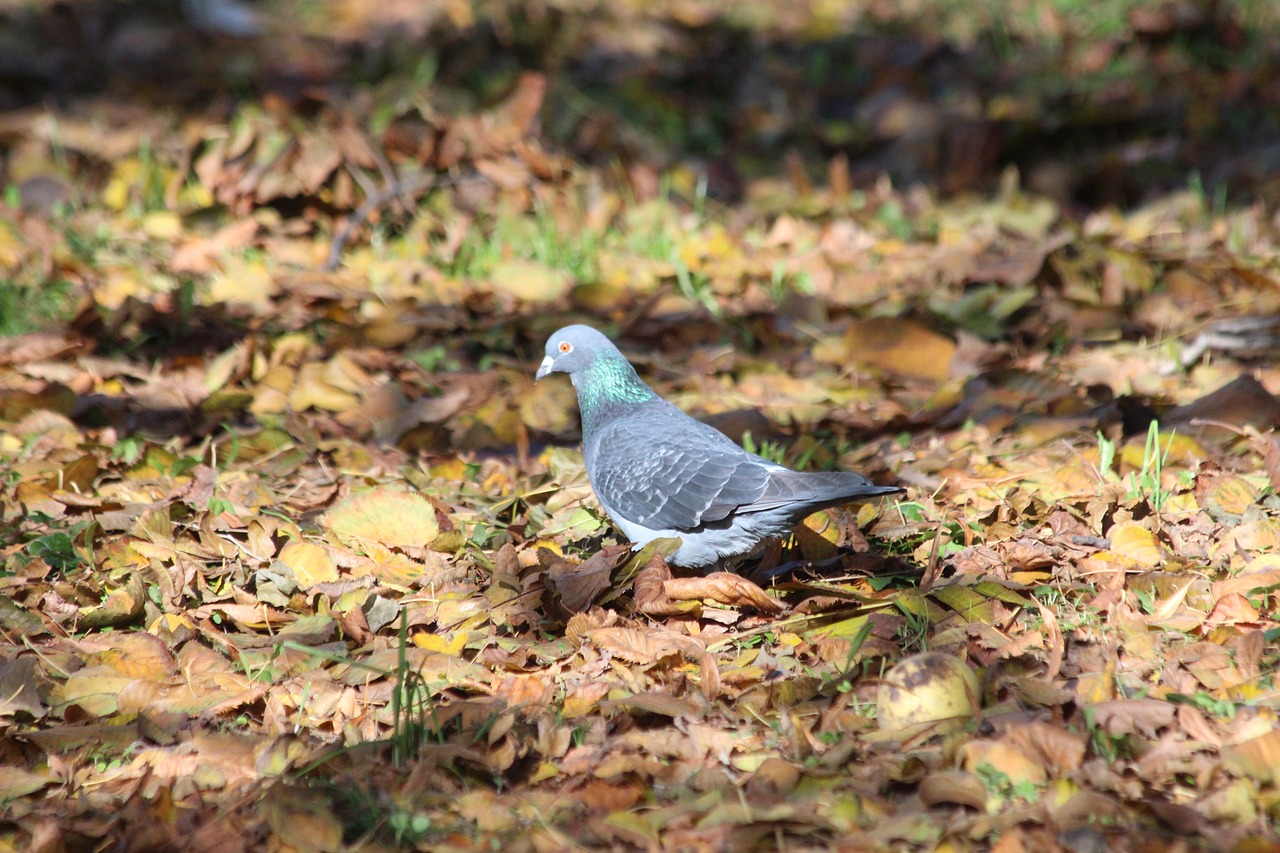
point(296, 555)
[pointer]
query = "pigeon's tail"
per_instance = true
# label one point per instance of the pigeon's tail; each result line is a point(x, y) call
point(815, 490)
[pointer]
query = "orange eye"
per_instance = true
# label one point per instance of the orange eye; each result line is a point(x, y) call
point(565, 346)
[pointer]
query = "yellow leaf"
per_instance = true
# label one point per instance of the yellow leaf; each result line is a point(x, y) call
point(138, 655)
point(892, 346)
point(547, 406)
point(168, 623)
point(452, 468)
point(449, 644)
point(578, 705)
point(162, 224)
point(385, 516)
point(309, 562)
point(12, 247)
point(116, 194)
point(546, 770)
point(1134, 541)
point(117, 286)
point(529, 281)
point(1020, 768)
point(390, 567)
point(868, 513)
point(1231, 494)
point(241, 281)
point(315, 390)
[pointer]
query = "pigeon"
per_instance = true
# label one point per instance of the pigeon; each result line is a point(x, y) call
point(658, 473)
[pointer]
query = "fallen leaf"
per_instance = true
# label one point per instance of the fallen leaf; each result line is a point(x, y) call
point(310, 563)
point(529, 281)
point(724, 588)
point(385, 516)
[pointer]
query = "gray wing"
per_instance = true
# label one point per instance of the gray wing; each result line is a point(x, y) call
point(814, 490)
point(667, 471)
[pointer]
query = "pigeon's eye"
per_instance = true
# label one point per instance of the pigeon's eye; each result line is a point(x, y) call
point(565, 346)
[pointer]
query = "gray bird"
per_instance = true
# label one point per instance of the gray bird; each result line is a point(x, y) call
point(659, 473)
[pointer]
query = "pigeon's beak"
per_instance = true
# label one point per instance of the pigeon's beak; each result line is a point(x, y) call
point(543, 369)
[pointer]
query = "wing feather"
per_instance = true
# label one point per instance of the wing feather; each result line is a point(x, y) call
point(667, 471)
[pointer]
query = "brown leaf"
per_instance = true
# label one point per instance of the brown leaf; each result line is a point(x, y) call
point(140, 655)
point(1233, 609)
point(1133, 716)
point(774, 778)
point(520, 109)
point(121, 606)
point(576, 585)
point(1060, 750)
point(16, 783)
point(724, 588)
point(642, 647)
point(575, 630)
point(654, 703)
point(303, 817)
point(956, 787)
point(709, 672)
point(199, 255)
point(650, 590)
point(318, 158)
point(1257, 758)
point(1245, 401)
point(18, 694)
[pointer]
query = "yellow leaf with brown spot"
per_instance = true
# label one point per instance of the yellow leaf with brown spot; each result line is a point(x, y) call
point(1230, 494)
point(448, 643)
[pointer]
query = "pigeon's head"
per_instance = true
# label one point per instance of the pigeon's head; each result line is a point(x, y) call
point(572, 349)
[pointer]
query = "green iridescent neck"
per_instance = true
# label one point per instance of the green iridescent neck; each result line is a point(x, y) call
point(609, 381)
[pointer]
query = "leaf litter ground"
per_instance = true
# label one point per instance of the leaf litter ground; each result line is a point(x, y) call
point(303, 559)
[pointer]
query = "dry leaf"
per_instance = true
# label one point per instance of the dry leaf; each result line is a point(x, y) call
point(723, 588)
point(383, 516)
